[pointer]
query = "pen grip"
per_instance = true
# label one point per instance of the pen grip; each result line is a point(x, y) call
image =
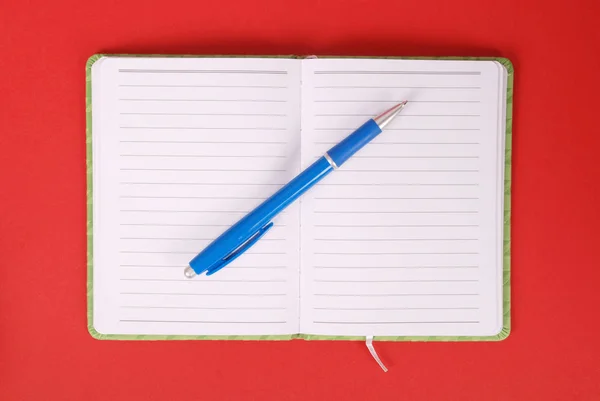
point(354, 142)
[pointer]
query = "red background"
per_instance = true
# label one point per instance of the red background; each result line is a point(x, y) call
point(46, 352)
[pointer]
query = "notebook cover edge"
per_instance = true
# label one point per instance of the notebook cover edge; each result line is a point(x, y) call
point(506, 325)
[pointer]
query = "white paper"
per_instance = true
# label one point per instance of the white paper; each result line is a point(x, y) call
point(406, 237)
point(183, 148)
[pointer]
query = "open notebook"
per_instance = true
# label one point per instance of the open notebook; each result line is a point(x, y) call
point(408, 240)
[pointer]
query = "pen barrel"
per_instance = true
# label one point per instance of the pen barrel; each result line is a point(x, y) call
point(258, 218)
point(354, 142)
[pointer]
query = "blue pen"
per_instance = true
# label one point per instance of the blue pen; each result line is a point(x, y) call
point(247, 231)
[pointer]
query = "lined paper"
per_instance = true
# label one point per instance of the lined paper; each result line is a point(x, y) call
point(404, 238)
point(183, 148)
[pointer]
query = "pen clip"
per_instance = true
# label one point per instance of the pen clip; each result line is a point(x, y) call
point(239, 250)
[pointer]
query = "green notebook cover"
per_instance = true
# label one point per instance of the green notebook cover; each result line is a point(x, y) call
point(504, 333)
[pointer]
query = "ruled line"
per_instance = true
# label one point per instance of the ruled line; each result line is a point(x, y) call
point(421, 130)
point(196, 183)
point(202, 321)
point(190, 239)
point(368, 72)
point(254, 170)
point(396, 267)
point(395, 212)
point(394, 295)
point(392, 198)
point(177, 225)
point(195, 252)
point(150, 71)
point(415, 157)
point(414, 322)
point(203, 308)
point(396, 253)
point(390, 239)
point(400, 129)
point(204, 86)
point(384, 309)
point(181, 211)
point(398, 184)
point(400, 115)
point(397, 225)
point(203, 294)
point(190, 197)
point(208, 156)
point(393, 281)
point(203, 100)
point(182, 266)
point(408, 171)
point(211, 142)
point(404, 143)
point(201, 281)
point(208, 128)
point(393, 102)
point(204, 114)
point(188, 211)
point(397, 87)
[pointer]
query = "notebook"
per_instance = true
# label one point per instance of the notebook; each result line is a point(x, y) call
point(409, 240)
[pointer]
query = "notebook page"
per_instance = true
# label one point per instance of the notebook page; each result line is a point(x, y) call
point(406, 237)
point(183, 148)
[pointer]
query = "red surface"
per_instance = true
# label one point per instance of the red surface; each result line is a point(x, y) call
point(46, 352)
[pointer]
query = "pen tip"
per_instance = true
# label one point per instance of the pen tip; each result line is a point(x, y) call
point(189, 272)
point(387, 116)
